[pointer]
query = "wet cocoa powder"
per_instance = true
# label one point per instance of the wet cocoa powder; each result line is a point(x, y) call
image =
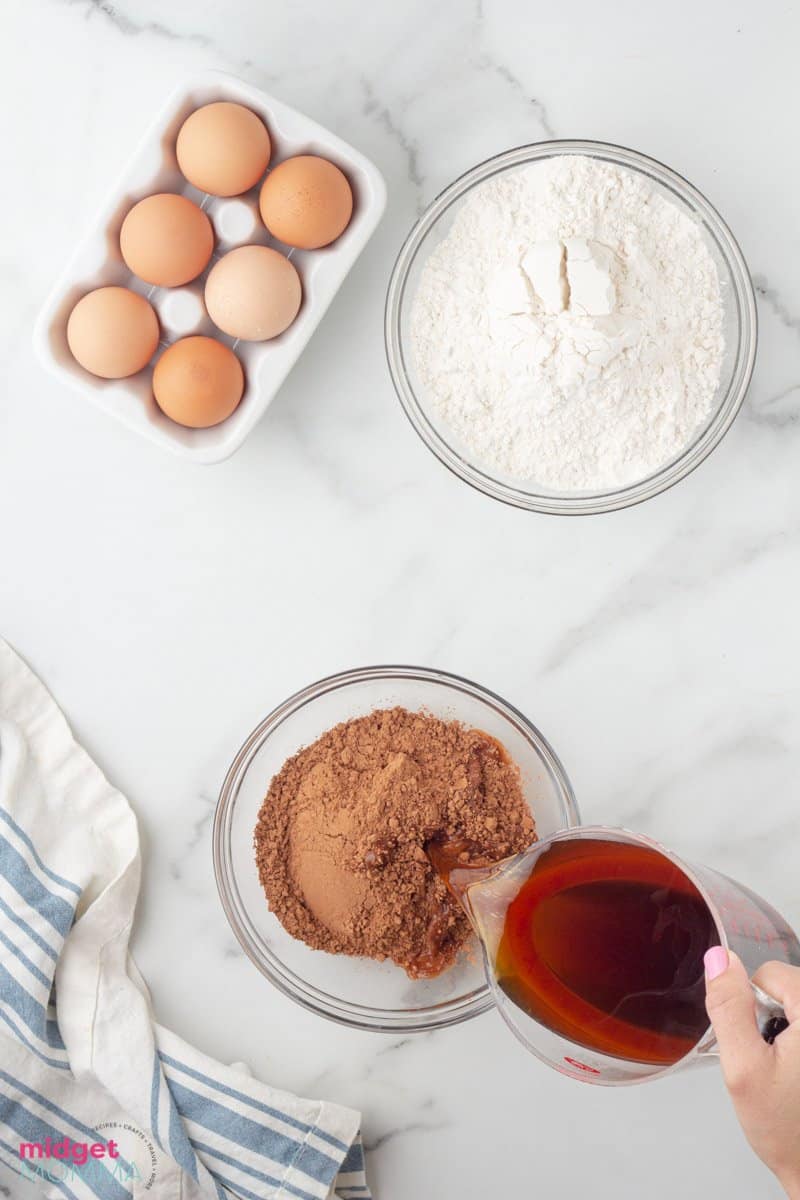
point(341, 835)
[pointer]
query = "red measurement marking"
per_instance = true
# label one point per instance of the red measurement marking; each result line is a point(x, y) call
point(573, 1062)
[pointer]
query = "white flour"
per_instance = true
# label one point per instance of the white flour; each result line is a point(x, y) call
point(569, 328)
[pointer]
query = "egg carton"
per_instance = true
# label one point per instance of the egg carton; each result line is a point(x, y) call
point(97, 262)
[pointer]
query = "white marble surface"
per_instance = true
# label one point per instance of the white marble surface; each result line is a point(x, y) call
point(169, 606)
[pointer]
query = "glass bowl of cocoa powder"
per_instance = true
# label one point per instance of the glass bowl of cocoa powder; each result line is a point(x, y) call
point(359, 991)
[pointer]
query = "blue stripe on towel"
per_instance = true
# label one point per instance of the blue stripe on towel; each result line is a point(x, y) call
point(53, 1033)
point(354, 1160)
point(179, 1145)
point(155, 1088)
point(55, 910)
point(204, 1148)
point(53, 1108)
point(259, 1139)
point(22, 835)
point(238, 1190)
point(303, 1126)
point(26, 929)
point(26, 1006)
point(26, 962)
point(51, 1062)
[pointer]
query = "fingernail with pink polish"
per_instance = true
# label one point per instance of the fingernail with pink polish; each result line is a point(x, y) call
point(715, 961)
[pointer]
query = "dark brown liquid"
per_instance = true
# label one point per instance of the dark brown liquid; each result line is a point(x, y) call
point(604, 944)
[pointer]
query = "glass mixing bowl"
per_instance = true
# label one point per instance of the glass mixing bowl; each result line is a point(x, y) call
point(357, 991)
point(739, 325)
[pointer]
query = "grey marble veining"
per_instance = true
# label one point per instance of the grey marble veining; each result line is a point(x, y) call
point(169, 607)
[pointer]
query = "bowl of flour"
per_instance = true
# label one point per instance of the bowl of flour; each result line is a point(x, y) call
point(571, 327)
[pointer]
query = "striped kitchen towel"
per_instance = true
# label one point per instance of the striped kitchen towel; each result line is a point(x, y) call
point(96, 1099)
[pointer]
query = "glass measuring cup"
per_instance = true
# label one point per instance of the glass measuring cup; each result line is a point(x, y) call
point(735, 918)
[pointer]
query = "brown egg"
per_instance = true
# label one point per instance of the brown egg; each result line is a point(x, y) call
point(112, 332)
point(306, 202)
point(223, 148)
point(166, 240)
point(253, 292)
point(198, 382)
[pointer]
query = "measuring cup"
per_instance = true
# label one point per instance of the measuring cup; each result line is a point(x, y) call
point(744, 923)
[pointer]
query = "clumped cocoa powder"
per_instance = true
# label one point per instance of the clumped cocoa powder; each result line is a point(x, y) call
point(341, 835)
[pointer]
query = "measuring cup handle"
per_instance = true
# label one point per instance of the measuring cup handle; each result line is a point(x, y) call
point(770, 1017)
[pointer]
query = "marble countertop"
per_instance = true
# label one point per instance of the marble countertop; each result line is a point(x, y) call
point(169, 607)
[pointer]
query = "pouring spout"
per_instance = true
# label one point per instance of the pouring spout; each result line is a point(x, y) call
point(484, 890)
point(458, 863)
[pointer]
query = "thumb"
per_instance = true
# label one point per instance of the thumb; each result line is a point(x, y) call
point(731, 1008)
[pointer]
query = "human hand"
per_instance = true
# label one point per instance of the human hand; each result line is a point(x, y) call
point(763, 1081)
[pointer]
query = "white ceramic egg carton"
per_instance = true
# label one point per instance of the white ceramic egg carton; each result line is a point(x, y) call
point(97, 262)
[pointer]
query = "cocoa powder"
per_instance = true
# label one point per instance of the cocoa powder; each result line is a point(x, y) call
point(341, 835)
